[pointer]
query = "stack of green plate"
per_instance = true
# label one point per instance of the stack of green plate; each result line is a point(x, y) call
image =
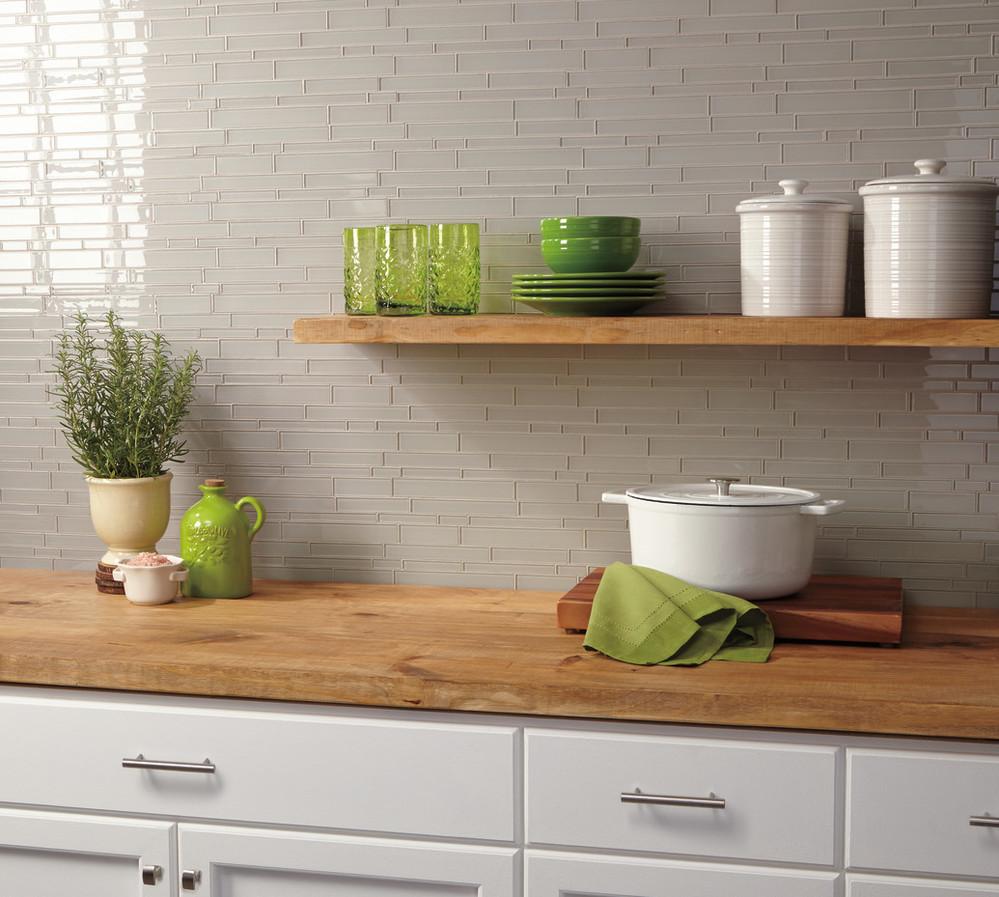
point(614, 293)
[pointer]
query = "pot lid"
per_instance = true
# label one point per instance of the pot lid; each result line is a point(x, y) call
point(793, 199)
point(724, 492)
point(929, 179)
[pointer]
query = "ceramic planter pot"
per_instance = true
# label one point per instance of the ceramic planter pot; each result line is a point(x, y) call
point(793, 253)
point(129, 515)
point(151, 585)
point(755, 542)
point(928, 244)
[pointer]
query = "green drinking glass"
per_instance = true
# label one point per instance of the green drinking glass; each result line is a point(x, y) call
point(454, 269)
point(401, 269)
point(359, 246)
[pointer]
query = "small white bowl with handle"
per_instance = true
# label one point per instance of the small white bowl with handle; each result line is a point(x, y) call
point(151, 585)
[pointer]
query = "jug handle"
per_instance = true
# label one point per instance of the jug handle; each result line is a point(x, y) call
point(261, 514)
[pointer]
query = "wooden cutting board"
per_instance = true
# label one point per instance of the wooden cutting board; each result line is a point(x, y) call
point(863, 609)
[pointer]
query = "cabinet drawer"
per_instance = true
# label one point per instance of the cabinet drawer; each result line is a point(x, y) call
point(869, 886)
point(575, 875)
point(911, 812)
point(779, 800)
point(273, 767)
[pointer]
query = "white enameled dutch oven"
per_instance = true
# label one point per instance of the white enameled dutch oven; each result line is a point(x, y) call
point(751, 541)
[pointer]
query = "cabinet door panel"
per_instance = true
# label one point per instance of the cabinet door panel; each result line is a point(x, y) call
point(59, 854)
point(911, 811)
point(578, 875)
point(779, 799)
point(237, 862)
point(870, 886)
point(303, 769)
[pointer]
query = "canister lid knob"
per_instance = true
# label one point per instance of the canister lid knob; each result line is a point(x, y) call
point(792, 186)
point(930, 166)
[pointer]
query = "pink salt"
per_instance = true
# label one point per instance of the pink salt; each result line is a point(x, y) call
point(148, 559)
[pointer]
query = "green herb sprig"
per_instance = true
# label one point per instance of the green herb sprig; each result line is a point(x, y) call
point(121, 400)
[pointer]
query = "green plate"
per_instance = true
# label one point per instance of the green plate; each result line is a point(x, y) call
point(587, 292)
point(584, 284)
point(595, 275)
point(584, 306)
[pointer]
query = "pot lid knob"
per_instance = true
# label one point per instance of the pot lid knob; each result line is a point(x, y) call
point(792, 187)
point(930, 166)
point(724, 484)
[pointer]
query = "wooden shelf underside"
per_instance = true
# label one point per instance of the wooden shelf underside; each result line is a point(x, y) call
point(660, 330)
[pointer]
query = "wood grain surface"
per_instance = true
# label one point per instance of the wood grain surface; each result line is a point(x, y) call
point(698, 330)
point(829, 609)
point(483, 650)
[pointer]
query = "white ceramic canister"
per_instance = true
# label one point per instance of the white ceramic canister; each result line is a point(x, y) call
point(928, 244)
point(793, 250)
point(752, 541)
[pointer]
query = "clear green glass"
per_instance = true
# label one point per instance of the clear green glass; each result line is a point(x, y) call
point(401, 269)
point(454, 269)
point(359, 247)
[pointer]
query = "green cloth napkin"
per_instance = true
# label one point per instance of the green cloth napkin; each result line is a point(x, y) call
point(643, 616)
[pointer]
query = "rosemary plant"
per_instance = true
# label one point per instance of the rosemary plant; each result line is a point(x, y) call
point(121, 399)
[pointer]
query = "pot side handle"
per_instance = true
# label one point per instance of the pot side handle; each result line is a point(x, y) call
point(821, 508)
point(615, 498)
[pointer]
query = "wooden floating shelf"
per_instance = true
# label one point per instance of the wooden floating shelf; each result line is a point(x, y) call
point(658, 330)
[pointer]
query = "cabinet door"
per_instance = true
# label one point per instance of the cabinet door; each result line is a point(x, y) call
point(58, 854)
point(234, 862)
point(579, 875)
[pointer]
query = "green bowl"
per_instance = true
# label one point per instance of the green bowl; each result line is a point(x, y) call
point(590, 226)
point(580, 255)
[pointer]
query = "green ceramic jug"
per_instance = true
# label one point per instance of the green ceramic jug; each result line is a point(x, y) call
point(215, 539)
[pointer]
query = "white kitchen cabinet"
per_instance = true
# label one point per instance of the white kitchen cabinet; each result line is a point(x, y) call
point(915, 812)
point(578, 875)
point(45, 854)
point(873, 886)
point(303, 769)
point(217, 861)
point(739, 800)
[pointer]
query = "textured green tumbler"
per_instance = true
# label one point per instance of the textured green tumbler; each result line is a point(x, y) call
point(215, 539)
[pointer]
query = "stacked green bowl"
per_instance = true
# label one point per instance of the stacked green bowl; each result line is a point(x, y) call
point(590, 256)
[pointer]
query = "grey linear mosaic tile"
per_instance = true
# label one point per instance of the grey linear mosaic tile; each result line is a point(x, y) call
point(192, 164)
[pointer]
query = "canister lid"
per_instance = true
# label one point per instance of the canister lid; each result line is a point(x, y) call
point(930, 179)
point(724, 492)
point(793, 199)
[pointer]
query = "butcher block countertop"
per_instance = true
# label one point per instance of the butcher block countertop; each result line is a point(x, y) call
point(483, 650)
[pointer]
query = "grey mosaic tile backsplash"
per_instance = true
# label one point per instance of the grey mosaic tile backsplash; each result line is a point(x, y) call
point(192, 165)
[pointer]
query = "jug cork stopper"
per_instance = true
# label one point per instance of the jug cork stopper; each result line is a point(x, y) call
point(215, 482)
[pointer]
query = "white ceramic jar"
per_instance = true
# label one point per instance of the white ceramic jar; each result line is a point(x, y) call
point(751, 541)
point(928, 244)
point(793, 250)
point(151, 585)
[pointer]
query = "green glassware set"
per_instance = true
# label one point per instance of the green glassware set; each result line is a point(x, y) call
point(410, 269)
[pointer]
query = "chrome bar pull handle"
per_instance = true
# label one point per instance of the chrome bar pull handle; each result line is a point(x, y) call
point(984, 821)
point(151, 874)
point(140, 762)
point(669, 800)
point(190, 879)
